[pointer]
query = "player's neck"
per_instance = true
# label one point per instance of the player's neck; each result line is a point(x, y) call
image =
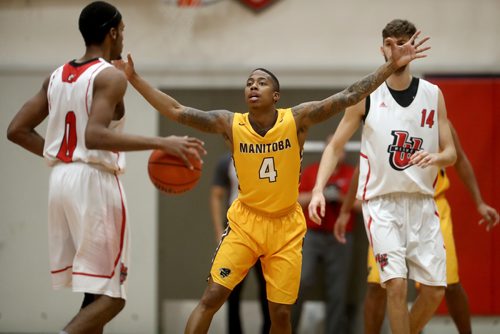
point(400, 80)
point(264, 121)
point(93, 52)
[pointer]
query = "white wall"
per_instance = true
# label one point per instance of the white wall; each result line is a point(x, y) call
point(307, 43)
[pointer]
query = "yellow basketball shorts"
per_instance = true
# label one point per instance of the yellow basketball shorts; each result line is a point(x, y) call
point(277, 241)
point(451, 255)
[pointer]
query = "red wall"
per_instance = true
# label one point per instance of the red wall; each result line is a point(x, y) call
point(473, 105)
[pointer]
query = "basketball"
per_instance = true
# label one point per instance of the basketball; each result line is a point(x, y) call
point(170, 175)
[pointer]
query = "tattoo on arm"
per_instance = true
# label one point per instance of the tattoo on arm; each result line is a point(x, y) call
point(211, 121)
point(322, 110)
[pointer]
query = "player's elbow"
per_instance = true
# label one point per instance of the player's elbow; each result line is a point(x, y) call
point(14, 133)
point(93, 139)
point(451, 157)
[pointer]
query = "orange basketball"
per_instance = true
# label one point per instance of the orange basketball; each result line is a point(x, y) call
point(170, 175)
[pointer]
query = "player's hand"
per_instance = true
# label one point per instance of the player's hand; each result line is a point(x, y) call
point(340, 225)
point(490, 216)
point(126, 66)
point(423, 159)
point(403, 54)
point(317, 202)
point(184, 147)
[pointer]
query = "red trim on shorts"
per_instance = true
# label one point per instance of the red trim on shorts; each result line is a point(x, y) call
point(435, 181)
point(367, 175)
point(437, 214)
point(122, 238)
point(60, 270)
point(369, 231)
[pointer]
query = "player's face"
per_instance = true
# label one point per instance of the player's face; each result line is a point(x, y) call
point(386, 48)
point(259, 90)
point(117, 47)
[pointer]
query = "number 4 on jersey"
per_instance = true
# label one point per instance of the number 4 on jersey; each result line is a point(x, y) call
point(267, 170)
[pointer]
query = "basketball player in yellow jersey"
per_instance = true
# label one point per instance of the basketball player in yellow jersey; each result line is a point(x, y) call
point(265, 221)
point(455, 295)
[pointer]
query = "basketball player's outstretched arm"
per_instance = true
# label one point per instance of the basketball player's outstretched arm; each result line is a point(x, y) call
point(21, 129)
point(317, 111)
point(330, 158)
point(215, 121)
point(466, 173)
point(109, 88)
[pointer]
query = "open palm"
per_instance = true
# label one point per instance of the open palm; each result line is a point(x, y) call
point(403, 54)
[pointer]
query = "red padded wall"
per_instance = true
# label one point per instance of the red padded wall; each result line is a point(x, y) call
point(473, 107)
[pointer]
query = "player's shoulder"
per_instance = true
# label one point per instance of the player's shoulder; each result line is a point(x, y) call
point(110, 76)
point(425, 84)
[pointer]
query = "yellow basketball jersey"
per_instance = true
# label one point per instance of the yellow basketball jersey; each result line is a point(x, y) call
point(268, 167)
point(442, 183)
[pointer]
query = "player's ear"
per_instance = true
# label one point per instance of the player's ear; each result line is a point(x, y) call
point(114, 33)
point(276, 96)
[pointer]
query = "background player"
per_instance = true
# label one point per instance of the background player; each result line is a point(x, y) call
point(265, 221)
point(88, 229)
point(455, 295)
point(321, 247)
point(405, 140)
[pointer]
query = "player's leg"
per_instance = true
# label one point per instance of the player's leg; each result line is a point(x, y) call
point(397, 306)
point(386, 227)
point(234, 257)
point(337, 259)
point(233, 309)
point(93, 317)
point(95, 209)
point(425, 305)
point(455, 295)
point(282, 264)
point(311, 252)
point(375, 298)
point(458, 307)
point(280, 318)
point(213, 298)
point(264, 305)
point(375, 305)
point(426, 260)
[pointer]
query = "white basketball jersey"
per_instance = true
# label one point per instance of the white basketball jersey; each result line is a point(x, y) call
point(391, 134)
point(70, 95)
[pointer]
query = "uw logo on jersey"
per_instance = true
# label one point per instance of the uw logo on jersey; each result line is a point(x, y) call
point(402, 148)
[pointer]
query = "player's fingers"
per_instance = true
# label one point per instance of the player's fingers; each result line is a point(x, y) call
point(313, 215)
point(186, 161)
point(130, 60)
point(414, 37)
point(422, 49)
point(422, 41)
point(197, 144)
point(496, 217)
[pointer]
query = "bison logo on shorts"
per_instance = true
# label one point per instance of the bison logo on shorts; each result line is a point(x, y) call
point(402, 149)
point(224, 272)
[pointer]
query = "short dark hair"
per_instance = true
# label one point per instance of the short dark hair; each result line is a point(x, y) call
point(399, 28)
point(275, 81)
point(95, 21)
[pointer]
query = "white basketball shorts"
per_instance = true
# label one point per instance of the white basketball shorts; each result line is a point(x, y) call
point(88, 230)
point(404, 232)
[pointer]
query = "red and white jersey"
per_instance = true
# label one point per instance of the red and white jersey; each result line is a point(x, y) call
point(70, 94)
point(391, 134)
